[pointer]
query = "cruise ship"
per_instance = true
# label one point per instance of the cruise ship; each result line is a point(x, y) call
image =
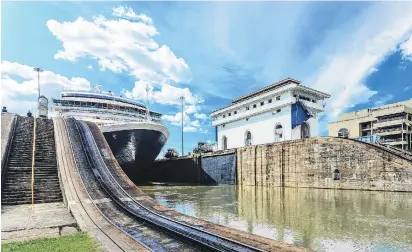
point(134, 133)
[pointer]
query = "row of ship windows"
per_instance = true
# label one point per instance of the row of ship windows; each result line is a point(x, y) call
point(270, 101)
point(255, 105)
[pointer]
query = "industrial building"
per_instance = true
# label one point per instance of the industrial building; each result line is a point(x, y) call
point(281, 111)
point(391, 124)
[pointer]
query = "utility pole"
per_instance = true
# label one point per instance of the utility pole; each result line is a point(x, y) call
point(182, 98)
point(38, 70)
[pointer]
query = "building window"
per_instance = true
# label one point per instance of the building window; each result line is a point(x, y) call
point(235, 112)
point(254, 105)
point(262, 103)
point(313, 101)
point(304, 130)
point(277, 98)
point(278, 132)
point(248, 138)
point(270, 101)
point(336, 175)
point(224, 142)
point(223, 125)
point(247, 108)
point(224, 116)
point(247, 119)
point(294, 95)
point(278, 110)
point(230, 114)
point(344, 132)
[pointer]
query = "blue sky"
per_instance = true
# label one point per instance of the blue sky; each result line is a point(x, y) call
point(210, 52)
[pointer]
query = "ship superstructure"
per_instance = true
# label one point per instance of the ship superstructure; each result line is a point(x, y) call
point(102, 108)
point(134, 133)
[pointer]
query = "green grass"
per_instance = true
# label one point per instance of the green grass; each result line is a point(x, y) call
point(78, 242)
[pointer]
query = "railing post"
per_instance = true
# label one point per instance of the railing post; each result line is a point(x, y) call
point(33, 162)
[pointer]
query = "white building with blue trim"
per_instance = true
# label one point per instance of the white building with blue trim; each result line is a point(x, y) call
point(282, 111)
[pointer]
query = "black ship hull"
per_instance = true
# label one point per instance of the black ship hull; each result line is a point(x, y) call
point(136, 146)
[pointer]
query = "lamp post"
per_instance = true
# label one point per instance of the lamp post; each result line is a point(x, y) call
point(38, 70)
point(182, 98)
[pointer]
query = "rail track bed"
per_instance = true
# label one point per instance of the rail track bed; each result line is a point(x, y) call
point(153, 226)
point(150, 237)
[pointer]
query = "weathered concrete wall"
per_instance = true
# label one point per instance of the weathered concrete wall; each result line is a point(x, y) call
point(7, 123)
point(312, 162)
point(209, 168)
point(298, 163)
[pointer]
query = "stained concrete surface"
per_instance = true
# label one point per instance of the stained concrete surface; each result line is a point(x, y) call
point(22, 222)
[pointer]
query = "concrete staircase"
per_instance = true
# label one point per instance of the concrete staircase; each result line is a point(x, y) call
point(17, 185)
point(46, 178)
point(18, 177)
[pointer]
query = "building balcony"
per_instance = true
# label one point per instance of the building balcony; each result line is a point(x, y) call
point(381, 124)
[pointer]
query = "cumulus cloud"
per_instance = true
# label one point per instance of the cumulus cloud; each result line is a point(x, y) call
point(200, 116)
point(19, 85)
point(188, 125)
point(122, 45)
point(167, 94)
point(89, 67)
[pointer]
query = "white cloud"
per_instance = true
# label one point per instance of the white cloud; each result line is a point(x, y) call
point(167, 95)
point(406, 48)
point(176, 120)
point(407, 88)
point(121, 45)
point(200, 116)
point(127, 12)
point(375, 38)
point(89, 67)
point(189, 129)
point(19, 85)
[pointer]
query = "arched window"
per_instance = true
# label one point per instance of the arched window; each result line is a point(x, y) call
point(336, 175)
point(224, 142)
point(304, 130)
point(278, 133)
point(248, 138)
point(344, 132)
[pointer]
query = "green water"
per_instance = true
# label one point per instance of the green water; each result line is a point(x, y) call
point(322, 220)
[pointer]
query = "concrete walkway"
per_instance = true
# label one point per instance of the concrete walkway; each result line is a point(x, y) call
point(22, 222)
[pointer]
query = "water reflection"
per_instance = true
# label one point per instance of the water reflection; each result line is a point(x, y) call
point(323, 220)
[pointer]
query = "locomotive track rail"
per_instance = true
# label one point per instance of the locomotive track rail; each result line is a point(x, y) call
point(189, 234)
point(135, 228)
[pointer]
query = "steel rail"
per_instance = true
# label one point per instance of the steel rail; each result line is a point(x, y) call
point(104, 216)
point(167, 218)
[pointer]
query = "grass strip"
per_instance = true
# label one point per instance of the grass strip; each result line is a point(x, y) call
point(79, 242)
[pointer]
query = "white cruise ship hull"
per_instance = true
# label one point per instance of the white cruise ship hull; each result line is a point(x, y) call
point(136, 145)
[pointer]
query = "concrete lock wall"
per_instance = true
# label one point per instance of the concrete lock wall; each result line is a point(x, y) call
point(207, 169)
point(312, 163)
point(299, 163)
